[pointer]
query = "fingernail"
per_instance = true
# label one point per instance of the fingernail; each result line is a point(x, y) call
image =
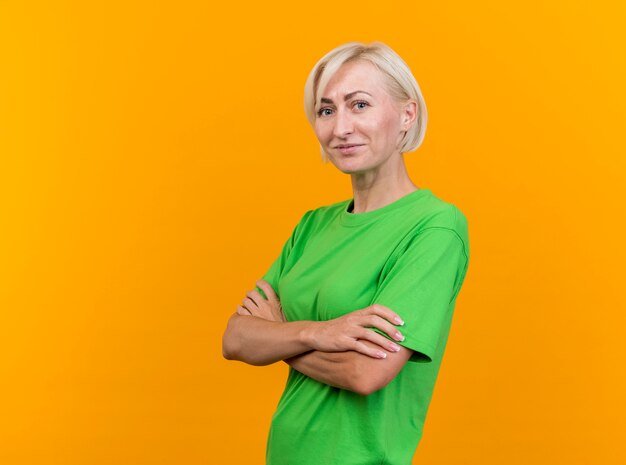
point(399, 321)
point(395, 347)
point(399, 337)
point(381, 355)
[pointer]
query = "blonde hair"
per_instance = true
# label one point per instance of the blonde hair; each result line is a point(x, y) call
point(401, 84)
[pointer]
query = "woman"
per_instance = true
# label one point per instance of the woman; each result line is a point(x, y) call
point(360, 301)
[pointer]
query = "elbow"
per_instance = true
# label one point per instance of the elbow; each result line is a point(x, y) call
point(365, 387)
point(233, 349)
point(228, 351)
point(362, 390)
point(229, 342)
point(366, 381)
point(232, 353)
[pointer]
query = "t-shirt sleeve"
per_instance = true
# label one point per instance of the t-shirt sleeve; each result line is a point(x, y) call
point(421, 286)
point(275, 270)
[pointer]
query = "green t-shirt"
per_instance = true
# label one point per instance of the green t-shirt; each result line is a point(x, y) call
point(411, 256)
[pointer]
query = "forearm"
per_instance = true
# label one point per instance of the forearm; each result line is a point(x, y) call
point(258, 341)
point(338, 369)
point(351, 370)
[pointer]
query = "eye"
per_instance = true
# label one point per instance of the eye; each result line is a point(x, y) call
point(322, 110)
point(361, 102)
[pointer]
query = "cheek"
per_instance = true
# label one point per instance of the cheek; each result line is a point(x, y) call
point(381, 131)
point(320, 131)
point(390, 128)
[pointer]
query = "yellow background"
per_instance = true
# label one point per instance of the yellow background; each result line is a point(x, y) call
point(155, 157)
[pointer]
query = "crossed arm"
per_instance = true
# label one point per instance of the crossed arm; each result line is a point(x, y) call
point(344, 352)
point(350, 369)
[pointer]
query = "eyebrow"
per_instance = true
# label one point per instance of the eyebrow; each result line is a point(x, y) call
point(347, 97)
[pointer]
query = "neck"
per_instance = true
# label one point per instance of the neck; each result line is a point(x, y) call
point(373, 190)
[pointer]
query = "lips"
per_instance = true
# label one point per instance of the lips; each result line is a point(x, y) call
point(348, 149)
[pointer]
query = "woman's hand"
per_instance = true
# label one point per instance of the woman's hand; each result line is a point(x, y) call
point(254, 304)
point(338, 335)
point(347, 332)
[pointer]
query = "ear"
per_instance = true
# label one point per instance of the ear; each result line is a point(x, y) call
point(409, 114)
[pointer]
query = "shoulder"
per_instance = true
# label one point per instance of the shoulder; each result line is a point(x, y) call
point(330, 210)
point(324, 213)
point(435, 214)
point(316, 218)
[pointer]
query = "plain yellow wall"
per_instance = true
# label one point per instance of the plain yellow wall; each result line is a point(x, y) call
point(155, 157)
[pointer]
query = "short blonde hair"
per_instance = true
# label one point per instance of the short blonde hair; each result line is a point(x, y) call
point(401, 84)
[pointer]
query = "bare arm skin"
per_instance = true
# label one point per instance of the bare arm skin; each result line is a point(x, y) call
point(257, 341)
point(257, 334)
point(351, 370)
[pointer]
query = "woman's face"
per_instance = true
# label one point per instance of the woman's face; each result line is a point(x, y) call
point(358, 124)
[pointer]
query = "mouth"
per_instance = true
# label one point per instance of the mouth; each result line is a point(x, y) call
point(347, 149)
point(346, 146)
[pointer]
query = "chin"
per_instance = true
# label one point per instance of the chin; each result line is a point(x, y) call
point(350, 168)
point(356, 163)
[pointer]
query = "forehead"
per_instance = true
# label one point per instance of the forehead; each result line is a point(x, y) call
point(357, 75)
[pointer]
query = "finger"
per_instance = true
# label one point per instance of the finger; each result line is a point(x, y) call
point(380, 340)
point(243, 311)
point(369, 351)
point(386, 313)
point(256, 296)
point(378, 322)
point(268, 289)
point(250, 304)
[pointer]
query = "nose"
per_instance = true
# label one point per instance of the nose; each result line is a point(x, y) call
point(343, 123)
